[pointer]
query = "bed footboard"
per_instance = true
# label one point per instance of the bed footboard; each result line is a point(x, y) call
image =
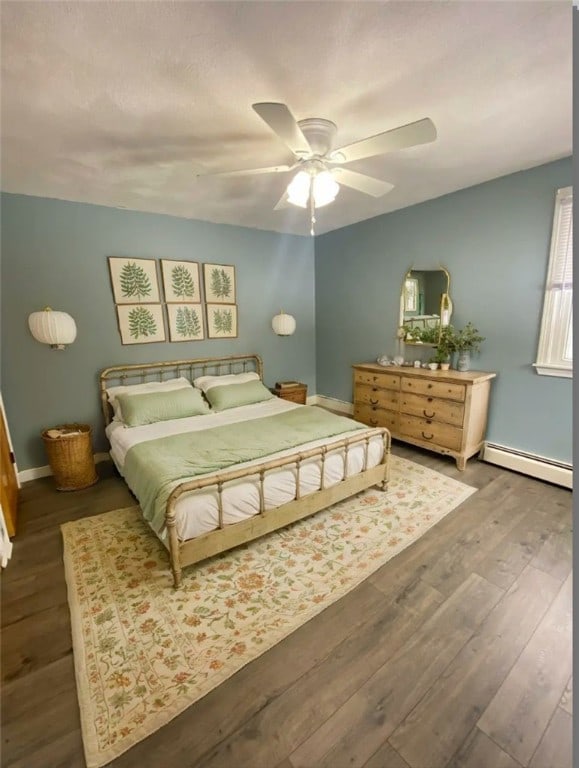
point(225, 537)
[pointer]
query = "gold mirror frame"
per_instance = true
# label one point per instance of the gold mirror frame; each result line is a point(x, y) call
point(445, 309)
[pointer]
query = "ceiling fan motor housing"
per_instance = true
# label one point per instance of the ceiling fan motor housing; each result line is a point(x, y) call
point(320, 134)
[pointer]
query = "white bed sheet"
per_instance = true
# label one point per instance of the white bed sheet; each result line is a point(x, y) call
point(197, 512)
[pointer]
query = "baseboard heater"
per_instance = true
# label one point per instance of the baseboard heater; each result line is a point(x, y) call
point(550, 470)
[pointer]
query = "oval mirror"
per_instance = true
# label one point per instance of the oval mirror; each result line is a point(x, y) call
point(425, 304)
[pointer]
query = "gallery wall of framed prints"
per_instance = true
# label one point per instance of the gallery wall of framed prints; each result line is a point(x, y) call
point(193, 312)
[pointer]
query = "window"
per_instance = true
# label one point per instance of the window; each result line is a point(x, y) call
point(555, 355)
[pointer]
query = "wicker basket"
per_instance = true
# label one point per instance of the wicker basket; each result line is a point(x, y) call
point(70, 456)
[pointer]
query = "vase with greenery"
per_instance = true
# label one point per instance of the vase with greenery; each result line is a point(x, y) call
point(465, 341)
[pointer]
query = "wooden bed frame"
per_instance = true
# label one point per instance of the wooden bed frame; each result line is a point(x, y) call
point(188, 552)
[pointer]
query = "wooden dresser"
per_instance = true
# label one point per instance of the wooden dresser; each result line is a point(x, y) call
point(445, 411)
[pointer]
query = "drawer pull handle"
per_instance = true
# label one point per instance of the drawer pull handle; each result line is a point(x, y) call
point(374, 422)
point(432, 415)
point(427, 437)
point(374, 378)
point(373, 402)
point(374, 389)
point(430, 386)
point(428, 399)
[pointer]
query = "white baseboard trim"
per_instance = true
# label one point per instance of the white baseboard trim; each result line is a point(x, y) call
point(35, 472)
point(332, 403)
point(541, 467)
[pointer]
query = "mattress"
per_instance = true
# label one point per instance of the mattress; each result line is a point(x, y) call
point(197, 512)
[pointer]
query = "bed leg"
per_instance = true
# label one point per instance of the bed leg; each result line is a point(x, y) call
point(383, 485)
point(177, 574)
point(174, 549)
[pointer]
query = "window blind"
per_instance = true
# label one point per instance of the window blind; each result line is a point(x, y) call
point(561, 277)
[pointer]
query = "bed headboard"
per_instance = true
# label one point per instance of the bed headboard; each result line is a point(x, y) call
point(191, 369)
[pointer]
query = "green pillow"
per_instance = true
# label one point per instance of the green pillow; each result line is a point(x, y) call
point(151, 407)
point(233, 395)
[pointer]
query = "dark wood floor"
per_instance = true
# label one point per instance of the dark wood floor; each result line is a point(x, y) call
point(456, 654)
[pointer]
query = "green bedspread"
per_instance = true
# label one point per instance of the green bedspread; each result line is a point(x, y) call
point(154, 468)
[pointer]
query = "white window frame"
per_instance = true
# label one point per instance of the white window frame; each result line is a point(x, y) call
point(557, 320)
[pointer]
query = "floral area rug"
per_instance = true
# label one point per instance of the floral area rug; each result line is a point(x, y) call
point(144, 652)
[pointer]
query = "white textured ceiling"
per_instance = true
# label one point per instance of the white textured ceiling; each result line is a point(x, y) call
point(123, 103)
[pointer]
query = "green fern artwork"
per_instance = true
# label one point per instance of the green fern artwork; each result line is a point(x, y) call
point(141, 323)
point(182, 282)
point(220, 283)
point(223, 321)
point(134, 281)
point(187, 323)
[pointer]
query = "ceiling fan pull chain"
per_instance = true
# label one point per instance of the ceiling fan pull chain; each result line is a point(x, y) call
point(312, 210)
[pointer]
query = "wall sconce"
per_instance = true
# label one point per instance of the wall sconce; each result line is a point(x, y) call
point(54, 328)
point(283, 325)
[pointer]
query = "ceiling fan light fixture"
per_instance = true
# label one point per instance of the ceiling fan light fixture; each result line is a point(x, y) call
point(322, 183)
point(325, 189)
point(298, 189)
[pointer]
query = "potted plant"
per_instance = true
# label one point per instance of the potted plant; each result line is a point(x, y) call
point(444, 347)
point(465, 341)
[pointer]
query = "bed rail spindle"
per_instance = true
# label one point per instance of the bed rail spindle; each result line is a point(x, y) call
point(346, 449)
point(261, 492)
point(298, 467)
point(366, 449)
point(323, 468)
point(220, 502)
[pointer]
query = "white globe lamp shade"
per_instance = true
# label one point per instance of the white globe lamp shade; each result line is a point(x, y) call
point(55, 328)
point(283, 325)
point(325, 189)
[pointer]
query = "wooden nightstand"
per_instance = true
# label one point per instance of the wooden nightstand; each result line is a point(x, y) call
point(297, 392)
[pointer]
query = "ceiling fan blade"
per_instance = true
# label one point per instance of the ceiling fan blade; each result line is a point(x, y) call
point(361, 182)
point(251, 171)
point(282, 122)
point(282, 203)
point(420, 132)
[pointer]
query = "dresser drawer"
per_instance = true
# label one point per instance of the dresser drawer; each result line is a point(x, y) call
point(434, 432)
point(434, 408)
point(433, 388)
point(383, 380)
point(383, 398)
point(376, 417)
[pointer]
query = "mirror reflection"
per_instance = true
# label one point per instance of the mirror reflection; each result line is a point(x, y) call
point(425, 302)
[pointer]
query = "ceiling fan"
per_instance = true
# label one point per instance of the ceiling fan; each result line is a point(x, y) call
point(319, 166)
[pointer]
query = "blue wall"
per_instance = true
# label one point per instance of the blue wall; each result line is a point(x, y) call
point(55, 253)
point(494, 239)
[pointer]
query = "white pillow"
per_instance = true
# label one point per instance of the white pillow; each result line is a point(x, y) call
point(138, 389)
point(205, 383)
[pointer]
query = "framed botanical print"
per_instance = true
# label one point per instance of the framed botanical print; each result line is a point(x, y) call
point(185, 322)
point(141, 323)
point(134, 281)
point(219, 282)
point(221, 321)
point(181, 281)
